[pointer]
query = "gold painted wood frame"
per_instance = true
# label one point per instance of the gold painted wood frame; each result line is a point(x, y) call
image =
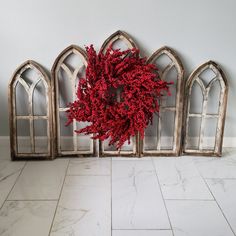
point(171, 108)
point(68, 67)
point(104, 148)
point(31, 134)
point(202, 121)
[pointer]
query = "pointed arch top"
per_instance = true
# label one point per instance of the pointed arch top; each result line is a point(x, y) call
point(66, 52)
point(208, 65)
point(116, 36)
point(59, 110)
point(34, 143)
point(119, 35)
point(29, 64)
point(200, 147)
point(175, 109)
point(171, 54)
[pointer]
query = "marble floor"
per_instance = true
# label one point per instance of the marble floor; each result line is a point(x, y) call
point(184, 196)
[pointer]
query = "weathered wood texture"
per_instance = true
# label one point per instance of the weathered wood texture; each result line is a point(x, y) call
point(29, 87)
point(204, 116)
point(65, 75)
point(133, 149)
point(63, 72)
point(175, 107)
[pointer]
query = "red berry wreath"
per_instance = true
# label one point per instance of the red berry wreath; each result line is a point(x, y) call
point(117, 73)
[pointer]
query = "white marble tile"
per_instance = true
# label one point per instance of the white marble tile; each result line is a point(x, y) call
point(26, 218)
point(179, 179)
point(136, 197)
point(196, 218)
point(131, 159)
point(85, 207)
point(214, 167)
point(90, 166)
point(9, 171)
point(224, 191)
point(142, 233)
point(40, 180)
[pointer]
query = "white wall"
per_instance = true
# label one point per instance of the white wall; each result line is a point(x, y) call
point(41, 29)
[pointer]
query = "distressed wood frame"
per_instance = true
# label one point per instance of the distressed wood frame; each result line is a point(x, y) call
point(13, 117)
point(181, 109)
point(177, 109)
point(194, 77)
point(58, 64)
point(119, 35)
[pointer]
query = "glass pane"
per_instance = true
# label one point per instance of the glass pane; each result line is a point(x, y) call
point(162, 62)
point(167, 130)
point(39, 100)
point(66, 133)
point(23, 136)
point(150, 139)
point(209, 133)
point(81, 74)
point(171, 76)
point(41, 136)
point(120, 44)
point(84, 142)
point(22, 101)
point(30, 76)
point(73, 61)
point(206, 76)
point(127, 146)
point(64, 88)
point(66, 76)
point(193, 132)
point(108, 147)
point(196, 99)
point(214, 98)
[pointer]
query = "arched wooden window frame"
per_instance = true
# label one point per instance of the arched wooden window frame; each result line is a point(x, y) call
point(59, 63)
point(13, 117)
point(177, 109)
point(217, 149)
point(119, 35)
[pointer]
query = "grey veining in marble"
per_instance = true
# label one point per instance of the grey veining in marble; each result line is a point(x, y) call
point(40, 180)
point(9, 172)
point(196, 218)
point(90, 166)
point(85, 207)
point(127, 188)
point(136, 198)
point(224, 191)
point(213, 167)
point(180, 179)
point(26, 218)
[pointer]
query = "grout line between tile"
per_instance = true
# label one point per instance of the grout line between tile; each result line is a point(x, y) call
point(14, 185)
point(186, 199)
point(88, 175)
point(217, 202)
point(220, 178)
point(159, 229)
point(59, 198)
point(153, 164)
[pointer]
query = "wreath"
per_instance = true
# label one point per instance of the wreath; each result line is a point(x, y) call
point(118, 95)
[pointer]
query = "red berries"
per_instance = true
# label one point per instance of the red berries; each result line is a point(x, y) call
point(118, 96)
